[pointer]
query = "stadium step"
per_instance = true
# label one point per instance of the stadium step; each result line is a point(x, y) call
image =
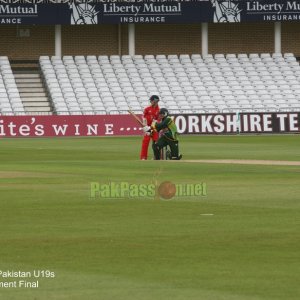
point(39, 110)
point(34, 99)
point(32, 94)
point(30, 85)
point(32, 91)
point(26, 76)
point(29, 80)
point(35, 104)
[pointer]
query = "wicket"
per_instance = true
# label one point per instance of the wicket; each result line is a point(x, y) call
point(164, 153)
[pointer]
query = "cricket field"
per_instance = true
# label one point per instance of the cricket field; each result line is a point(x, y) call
point(67, 234)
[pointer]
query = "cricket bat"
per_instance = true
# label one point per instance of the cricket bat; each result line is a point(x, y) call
point(136, 117)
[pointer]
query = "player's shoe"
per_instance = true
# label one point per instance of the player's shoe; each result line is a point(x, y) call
point(179, 157)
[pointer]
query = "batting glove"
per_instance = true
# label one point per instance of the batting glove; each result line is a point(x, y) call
point(146, 128)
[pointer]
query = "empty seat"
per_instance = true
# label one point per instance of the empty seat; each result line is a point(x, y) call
point(181, 79)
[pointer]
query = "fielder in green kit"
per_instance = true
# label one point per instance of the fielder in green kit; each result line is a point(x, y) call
point(169, 136)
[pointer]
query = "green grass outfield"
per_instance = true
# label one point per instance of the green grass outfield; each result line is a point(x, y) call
point(143, 248)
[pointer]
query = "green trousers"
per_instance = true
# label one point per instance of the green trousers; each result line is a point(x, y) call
point(163, 142)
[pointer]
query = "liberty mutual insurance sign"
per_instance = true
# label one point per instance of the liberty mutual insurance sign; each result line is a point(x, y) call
point(146, 11)
point(275, 11)
point(142, 13)
point(13, 14)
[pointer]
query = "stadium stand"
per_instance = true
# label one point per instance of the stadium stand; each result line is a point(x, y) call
point(10, 101)
point(31, 88)
point(219, 83)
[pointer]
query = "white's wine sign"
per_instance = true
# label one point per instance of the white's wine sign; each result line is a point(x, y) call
point(232, 123)
point(126, 125)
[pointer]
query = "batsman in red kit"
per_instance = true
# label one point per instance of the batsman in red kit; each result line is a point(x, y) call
point(150, 115)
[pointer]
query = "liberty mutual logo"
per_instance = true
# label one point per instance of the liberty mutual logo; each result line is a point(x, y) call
point(226, 11)
point(83, 14)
